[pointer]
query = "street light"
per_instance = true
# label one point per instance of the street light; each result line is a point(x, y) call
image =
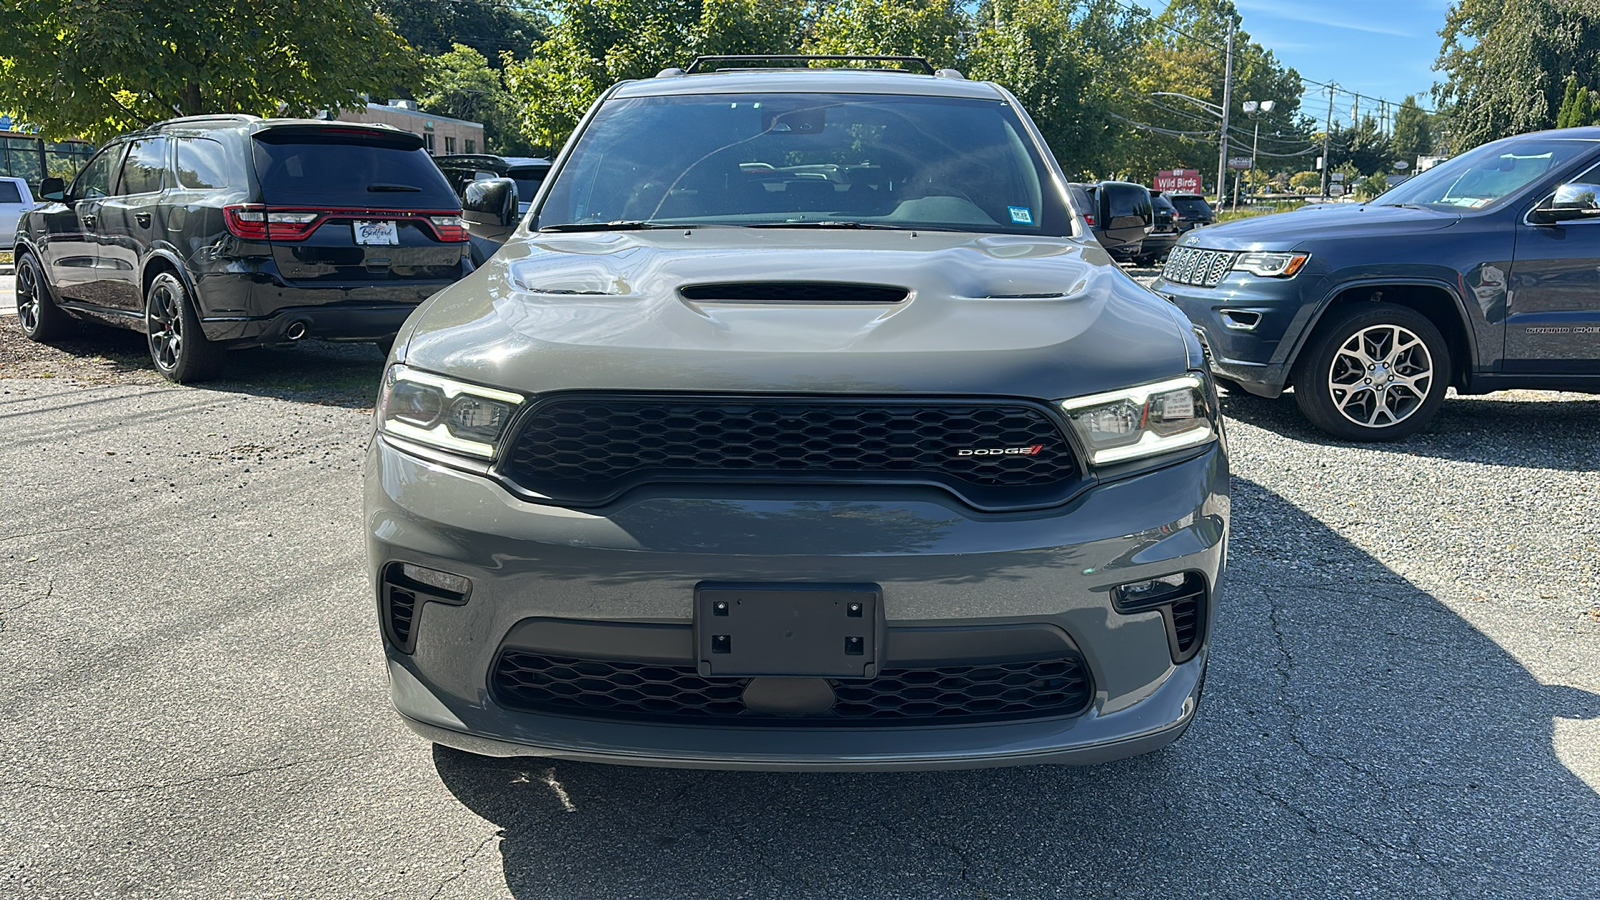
point(1221, 112)
point(1251, 107)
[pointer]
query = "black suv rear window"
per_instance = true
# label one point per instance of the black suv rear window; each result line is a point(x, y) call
point(336, 173)
point(1191, 206)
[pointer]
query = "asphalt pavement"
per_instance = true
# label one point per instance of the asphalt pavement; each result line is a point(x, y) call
point(1404, 696)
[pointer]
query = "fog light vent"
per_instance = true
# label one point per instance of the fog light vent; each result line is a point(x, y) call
point(1181, 599)
point(405, 588)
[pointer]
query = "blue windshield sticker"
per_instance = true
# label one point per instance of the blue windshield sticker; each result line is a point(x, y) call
point(1021, 215)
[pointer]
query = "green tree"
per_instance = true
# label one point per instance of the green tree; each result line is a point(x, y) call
point(490, 27)
point(929, 28)
point(1412, 137)
point(1500, 59)
point(596, 43)
point(1183, 54)
point(461, 84)
point(1568, 100)
point(1306, 181)
point(81, 67)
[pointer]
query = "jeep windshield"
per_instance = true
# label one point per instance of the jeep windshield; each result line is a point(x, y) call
point(817, 160)
point(1485, 176)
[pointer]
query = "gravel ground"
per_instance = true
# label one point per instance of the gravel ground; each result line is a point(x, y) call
point(1404, 695)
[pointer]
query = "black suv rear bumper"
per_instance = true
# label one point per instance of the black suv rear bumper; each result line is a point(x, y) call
point(255, 308)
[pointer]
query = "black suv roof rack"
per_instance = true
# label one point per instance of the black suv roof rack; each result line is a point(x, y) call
point(704, 61)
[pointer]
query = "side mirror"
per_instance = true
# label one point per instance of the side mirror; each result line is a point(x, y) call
point(492, 201)
point(1571, 201)
point(52, 189)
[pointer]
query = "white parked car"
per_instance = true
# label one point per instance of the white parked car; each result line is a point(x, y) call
point(15, 199)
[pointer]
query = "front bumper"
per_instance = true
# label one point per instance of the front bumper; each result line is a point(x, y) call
point(1249, 326)
point(938, 563)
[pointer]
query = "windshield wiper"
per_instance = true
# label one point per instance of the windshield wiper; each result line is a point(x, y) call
point(832, 224)
point(1405, 205)
point(393, 188)
point(619, 225)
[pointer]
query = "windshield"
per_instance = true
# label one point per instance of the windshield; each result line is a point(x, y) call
point(1485, 175)
point(796, 159)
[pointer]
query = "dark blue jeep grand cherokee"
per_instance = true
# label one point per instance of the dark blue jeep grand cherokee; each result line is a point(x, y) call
point(1481, 274)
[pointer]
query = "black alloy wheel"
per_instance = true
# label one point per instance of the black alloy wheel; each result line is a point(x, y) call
point(1376, 372)
point(177, 345)
point(37, 313)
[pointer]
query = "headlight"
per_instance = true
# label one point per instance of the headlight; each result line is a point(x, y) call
point(450, 415)
point(1143, 421)
point(1271, 265)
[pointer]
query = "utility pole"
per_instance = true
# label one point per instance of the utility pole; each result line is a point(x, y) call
point(1227, 97)
point(1327, 163)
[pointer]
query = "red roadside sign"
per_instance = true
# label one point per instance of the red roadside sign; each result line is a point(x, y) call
point(1183, 181)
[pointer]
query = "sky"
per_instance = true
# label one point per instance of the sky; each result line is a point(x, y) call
point(1377, 48)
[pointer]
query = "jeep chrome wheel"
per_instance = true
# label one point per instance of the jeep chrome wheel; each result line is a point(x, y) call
point(1380, 376)
point(1373, 372)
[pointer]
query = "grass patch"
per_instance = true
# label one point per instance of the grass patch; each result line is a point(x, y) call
point(5, 258)
point(1251, 212)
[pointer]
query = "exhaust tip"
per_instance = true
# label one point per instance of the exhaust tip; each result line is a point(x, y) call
point(296, 330)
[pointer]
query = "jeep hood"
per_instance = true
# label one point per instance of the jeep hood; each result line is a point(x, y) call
point(984, 314)
point(1293, 230)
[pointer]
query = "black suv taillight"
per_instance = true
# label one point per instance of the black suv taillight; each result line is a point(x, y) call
point(259, 222)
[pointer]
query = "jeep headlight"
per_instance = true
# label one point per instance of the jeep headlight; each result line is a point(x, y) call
point(1146, 420)
point(439, 412)
point(1270, 264)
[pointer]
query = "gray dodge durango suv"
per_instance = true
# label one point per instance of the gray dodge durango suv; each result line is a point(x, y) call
point(801, 425)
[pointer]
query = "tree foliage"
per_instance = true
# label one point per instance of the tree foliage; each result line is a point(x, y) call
point(596, 43)
point(1503, 61)
point(98, 67)
point(460, 83)
point(1412, 135)
point(490, 27)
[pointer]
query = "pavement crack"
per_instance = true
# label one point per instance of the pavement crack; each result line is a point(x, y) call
point(466, 863)
point(161, 786)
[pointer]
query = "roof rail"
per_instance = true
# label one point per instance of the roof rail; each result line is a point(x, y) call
point(700, 61)
point(221, 117)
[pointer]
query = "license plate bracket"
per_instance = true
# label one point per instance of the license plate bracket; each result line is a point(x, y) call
point(788, 630)
point(382, 232)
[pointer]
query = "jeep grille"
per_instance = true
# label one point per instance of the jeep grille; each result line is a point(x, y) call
point(1191, 265)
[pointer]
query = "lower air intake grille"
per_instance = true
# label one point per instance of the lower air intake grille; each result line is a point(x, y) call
point(612, 689)
point(588, 449)
point(1191, 265)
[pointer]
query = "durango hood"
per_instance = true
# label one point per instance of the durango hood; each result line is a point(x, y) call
point(1289, 231)
point(718, 310)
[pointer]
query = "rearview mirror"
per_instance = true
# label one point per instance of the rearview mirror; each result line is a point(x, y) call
point(52, 189)
point(492, 201)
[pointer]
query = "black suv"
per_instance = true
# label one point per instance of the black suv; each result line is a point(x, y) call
point(1482, 274)
point(231, 231)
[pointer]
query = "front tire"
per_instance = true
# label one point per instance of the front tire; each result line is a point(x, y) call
point(1377, 372)
point(177, 345)
point(37, 313)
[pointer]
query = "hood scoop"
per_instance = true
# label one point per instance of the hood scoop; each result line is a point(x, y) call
point(793, 292)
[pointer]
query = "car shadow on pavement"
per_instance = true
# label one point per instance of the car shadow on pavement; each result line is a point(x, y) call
point(1468, 429)
point(1357, 736)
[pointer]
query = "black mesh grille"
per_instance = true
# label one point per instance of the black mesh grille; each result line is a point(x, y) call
point(793, 292)
point(905, 696)
point(1191, 265)
point(400, 613)
point(590, 449)
point(1186, 623)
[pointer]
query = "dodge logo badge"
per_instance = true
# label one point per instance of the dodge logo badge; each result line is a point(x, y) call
point(1004, 451)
